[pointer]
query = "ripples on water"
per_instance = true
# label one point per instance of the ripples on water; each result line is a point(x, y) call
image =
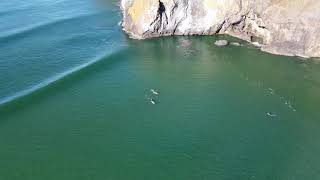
point(40, 42)
point(73, 105)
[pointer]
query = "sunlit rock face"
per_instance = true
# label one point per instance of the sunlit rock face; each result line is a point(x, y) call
point(287, 27)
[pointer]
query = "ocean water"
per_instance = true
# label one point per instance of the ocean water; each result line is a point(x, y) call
point(75, 102)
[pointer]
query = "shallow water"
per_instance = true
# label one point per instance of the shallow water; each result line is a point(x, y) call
point(74, 102)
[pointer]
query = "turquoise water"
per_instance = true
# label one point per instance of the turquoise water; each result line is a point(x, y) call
point(74, 95)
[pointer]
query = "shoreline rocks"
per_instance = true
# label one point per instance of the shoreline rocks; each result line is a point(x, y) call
point(282, 27)
point(221, 43)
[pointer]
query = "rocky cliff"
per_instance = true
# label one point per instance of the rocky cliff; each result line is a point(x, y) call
point(287, 27)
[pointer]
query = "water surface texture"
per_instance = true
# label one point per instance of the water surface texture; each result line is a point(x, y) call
point(74, 95)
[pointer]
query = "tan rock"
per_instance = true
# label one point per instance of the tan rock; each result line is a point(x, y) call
point(287, 27)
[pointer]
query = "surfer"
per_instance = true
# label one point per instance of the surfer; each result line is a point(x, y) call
point(154, 91)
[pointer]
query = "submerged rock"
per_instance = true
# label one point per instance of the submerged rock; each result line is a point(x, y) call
point(280, 27)
point(235, 44)
point(221, 43)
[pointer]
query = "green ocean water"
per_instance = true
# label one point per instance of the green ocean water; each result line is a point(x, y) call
point(74, 94)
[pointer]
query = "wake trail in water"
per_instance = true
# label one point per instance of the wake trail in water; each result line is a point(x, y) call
point(59, 77)
point(22, 32)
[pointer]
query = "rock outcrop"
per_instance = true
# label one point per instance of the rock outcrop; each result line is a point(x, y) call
point(286, 27)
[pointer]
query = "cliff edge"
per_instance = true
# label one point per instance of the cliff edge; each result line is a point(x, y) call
point(286, 27)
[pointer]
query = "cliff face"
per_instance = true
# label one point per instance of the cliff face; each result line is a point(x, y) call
point(287, 27)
